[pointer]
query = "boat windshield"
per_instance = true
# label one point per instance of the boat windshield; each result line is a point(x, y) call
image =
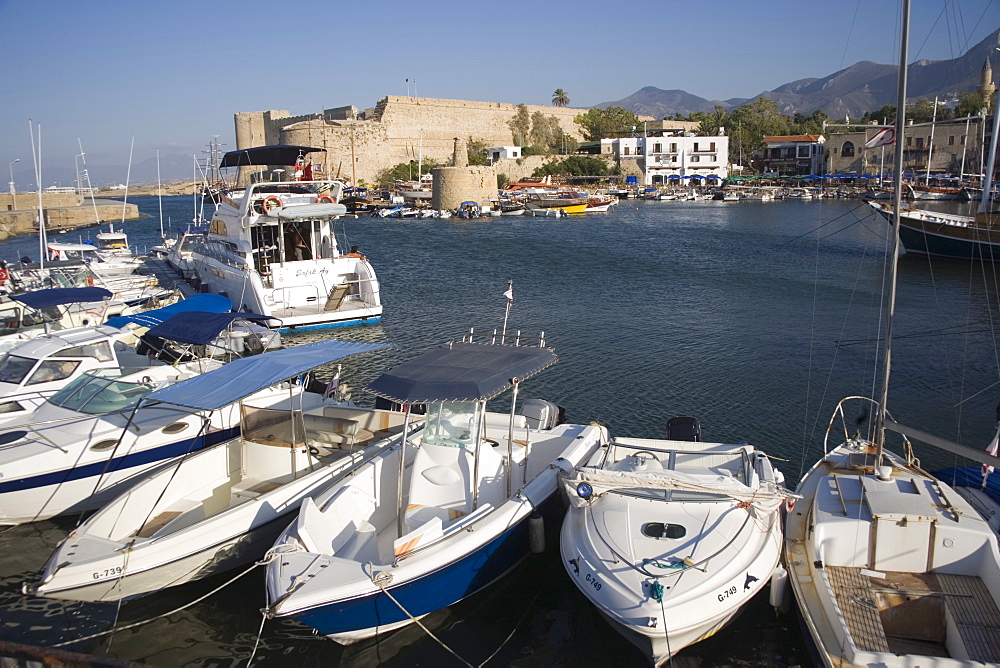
point(99, 392)
point(450, 423)
point(14, 368)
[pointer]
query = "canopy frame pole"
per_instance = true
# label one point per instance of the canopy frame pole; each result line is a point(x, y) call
point(402, 469)
point(478, 439)
point(510, 434)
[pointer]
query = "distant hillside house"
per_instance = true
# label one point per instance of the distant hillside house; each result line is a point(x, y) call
point(670, 156)
point(494, 153)
point(794, 155)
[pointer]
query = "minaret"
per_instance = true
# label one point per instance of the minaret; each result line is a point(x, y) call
point(986, 85)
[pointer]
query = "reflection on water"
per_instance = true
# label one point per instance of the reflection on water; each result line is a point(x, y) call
point(755, 317)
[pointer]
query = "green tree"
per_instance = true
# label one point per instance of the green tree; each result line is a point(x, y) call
point(404, 171)
point(711, 122)
point(476, 151)
point(598, 124)
point(502, 181)
point(970, 104)
point(574, 165)
point(520, 125)
point(560, 98)
point(757, 120)
point(545, 133)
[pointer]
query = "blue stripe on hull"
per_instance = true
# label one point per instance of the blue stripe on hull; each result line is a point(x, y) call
point(370, 320)
point(424, 595)
point(143, 458)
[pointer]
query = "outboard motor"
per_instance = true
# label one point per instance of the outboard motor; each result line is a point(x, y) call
point(542, 414)
point(683, 428)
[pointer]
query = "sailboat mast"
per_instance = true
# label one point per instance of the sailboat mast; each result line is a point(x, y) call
point(984, 202)
point(897, 200)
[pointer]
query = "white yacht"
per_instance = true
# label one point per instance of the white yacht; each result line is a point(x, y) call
point(271, 249)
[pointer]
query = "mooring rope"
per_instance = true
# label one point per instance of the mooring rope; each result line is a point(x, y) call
point(262, 562)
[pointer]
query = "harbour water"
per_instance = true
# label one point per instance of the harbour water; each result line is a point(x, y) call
point(755, 317)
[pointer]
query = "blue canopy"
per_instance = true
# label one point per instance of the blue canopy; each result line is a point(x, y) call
point(207, 302)
point(199, 327)
point(62, 296)
point(242, 377)
point(460, 372)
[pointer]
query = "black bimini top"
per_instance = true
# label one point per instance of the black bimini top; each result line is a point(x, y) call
point(461, 372)
point(278, 154)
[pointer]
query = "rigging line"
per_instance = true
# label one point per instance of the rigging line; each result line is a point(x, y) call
point(829, 222)
point(916, 335)
point(850, 32)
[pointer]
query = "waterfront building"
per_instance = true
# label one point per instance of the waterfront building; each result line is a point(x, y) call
point(793, 155)
point(671, 154)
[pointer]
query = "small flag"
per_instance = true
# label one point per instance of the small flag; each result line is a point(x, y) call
point(331, 387)
point(883, 137)
point(509, 294)
point(991, 449)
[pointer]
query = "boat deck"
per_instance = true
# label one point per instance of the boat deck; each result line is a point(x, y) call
point(166, 276)
point(908, 612)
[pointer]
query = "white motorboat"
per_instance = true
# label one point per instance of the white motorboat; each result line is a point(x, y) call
point(669, 539)
point(179, 254)
point(271, 248)
point(30, 314)
point(891, 566)
point(423, 525)
point(223, 506)
point(99, 434)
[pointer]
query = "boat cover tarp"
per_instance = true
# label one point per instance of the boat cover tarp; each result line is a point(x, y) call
point(277, 154)
point(971, 476)
point(460, 372)
point(606, 480)
point(206, 302)
point(242, 377)
point(198, 327)
point(62, 296)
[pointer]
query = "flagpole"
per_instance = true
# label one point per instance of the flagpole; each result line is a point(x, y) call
point(510, 300)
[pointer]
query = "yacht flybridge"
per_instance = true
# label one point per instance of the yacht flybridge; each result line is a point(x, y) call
point(271, 248)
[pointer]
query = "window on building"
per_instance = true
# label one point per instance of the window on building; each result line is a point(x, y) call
point(695, 158)
point(909, 141)
point(673, 148)
point(848, 150)
point(963, 140)
point(657, 148)
point(695, 147)
point(920, 142)
point(951, 140)
point(625, 151)
point(711, 146)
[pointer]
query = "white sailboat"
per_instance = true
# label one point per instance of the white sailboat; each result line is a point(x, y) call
point(889, 565)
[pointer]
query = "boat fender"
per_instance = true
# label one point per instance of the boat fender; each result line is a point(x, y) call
point(269, 202)
point(325, 198)
point(779, 588)
point(536, 532)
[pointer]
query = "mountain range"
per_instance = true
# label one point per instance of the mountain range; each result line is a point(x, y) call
point(853, 91)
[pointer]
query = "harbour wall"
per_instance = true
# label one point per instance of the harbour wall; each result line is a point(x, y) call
point(62, 211)
point(360, 145)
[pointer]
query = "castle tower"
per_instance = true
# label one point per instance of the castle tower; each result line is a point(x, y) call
point(986, 85)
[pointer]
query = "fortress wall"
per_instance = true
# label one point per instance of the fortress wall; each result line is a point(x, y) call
point(403, 129)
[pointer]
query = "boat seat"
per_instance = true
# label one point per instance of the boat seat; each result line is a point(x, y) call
point(333, 430)
point(341, 527)
point(440, 482)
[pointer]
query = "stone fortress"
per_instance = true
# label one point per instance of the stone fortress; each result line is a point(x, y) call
point(362, 144)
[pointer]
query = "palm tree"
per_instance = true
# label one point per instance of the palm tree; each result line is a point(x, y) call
point(559, 98)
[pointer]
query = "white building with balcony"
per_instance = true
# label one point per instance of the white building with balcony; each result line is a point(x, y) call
point(671, 157)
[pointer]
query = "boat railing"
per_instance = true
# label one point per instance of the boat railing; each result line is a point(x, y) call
point(497, 337)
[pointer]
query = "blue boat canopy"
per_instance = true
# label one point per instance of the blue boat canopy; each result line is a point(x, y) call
point(62, 296)
point(242, 377)
point(277, 154)
point(461, 372)
point(198, 327)
point(206, 302)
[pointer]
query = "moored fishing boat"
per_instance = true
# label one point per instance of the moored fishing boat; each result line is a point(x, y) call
point(946, 235)
point(670, 538)
point(223, 506)
point(440, 514)
point(271, 248)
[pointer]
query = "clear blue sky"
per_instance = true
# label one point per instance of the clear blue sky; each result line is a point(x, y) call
point(172, 74)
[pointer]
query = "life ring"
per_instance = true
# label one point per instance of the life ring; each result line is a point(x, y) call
point(268, 202)
point(3, 276)
point(147, 379)
point(90, 281)
point(357, 255)
point(325, 198)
